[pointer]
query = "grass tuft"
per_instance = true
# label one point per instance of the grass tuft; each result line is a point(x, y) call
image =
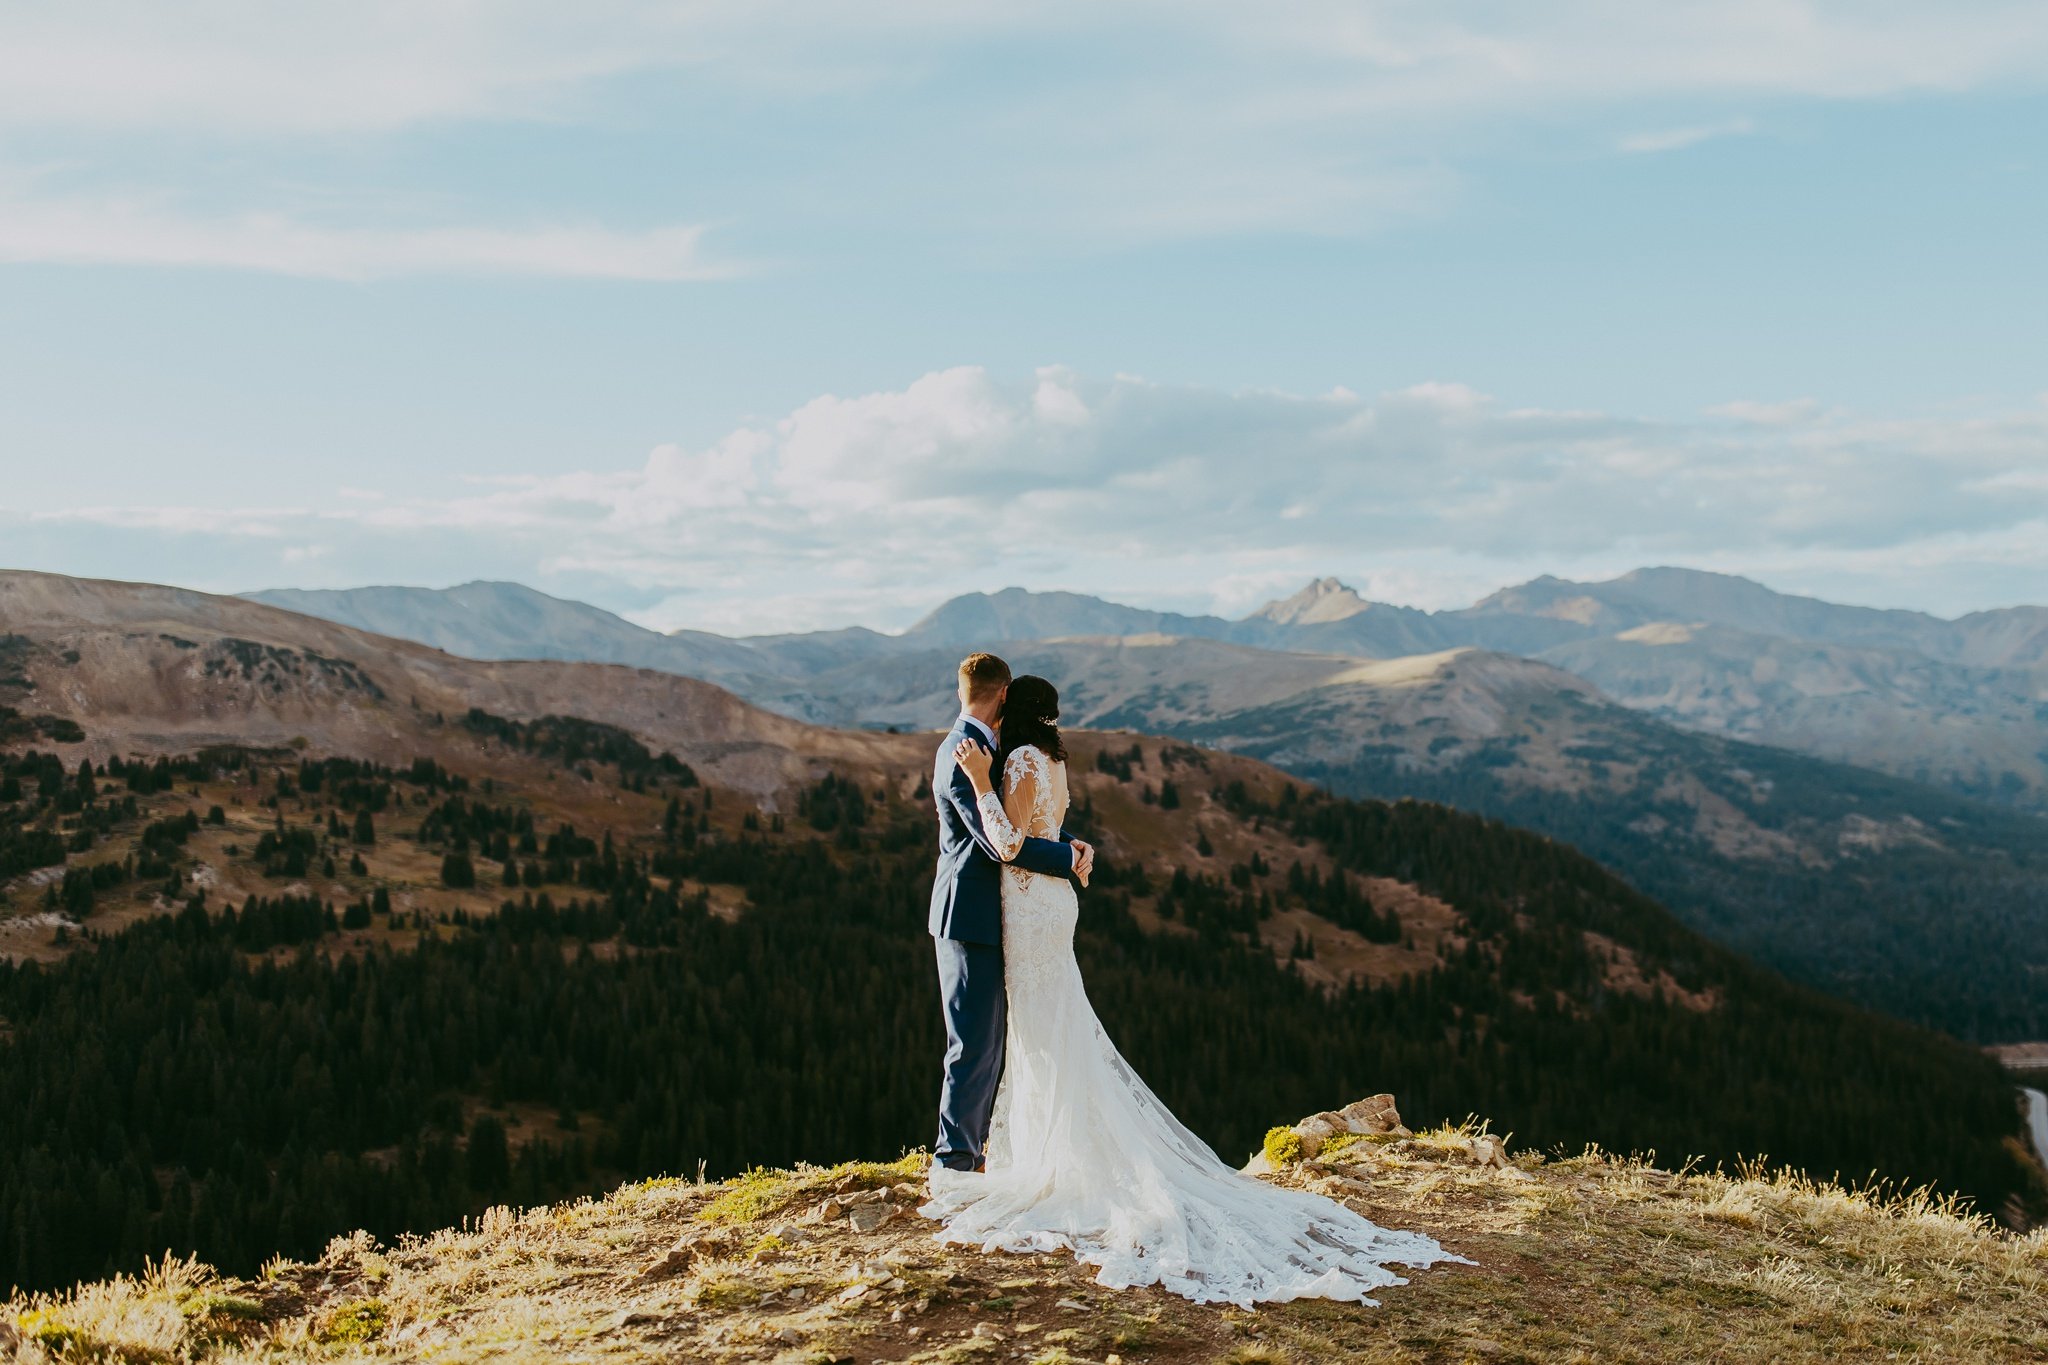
point(1337, 1144)
point(353, 1323)
point(761, 1193)
point(1255, 1353)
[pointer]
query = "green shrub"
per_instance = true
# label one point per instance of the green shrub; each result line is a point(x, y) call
point(354, 1322)
point(1283, 1146)
point(1337, 1144)
point(47, 1330)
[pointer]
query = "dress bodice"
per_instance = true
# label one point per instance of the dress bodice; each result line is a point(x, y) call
point(1035, 792)
point(1033, 803)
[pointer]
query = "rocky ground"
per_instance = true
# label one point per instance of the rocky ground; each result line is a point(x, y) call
point(1578, 1259)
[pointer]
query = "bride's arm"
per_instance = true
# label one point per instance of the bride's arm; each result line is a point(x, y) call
point(1005, 837)
point(1004, 830)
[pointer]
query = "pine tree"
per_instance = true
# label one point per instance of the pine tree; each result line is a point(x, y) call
point(488, 1164)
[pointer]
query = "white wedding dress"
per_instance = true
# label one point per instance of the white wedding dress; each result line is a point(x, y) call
point(1082, 1156)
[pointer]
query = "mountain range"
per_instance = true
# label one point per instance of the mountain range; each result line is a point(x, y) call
point(1960, 704)
point(1853, 796)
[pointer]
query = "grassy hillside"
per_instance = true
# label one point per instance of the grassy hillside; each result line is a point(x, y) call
point(1578, 1258)
point(1904, 898)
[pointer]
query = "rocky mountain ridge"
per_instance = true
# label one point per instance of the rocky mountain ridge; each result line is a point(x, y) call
point(152, 669)
point(1961, 704)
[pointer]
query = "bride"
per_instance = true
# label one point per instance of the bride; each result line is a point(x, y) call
point(1082, 1155)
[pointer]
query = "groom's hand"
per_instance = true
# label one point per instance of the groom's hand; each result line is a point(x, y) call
point(1084, 860)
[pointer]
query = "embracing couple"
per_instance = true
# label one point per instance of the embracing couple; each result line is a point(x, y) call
point(1048, 1140)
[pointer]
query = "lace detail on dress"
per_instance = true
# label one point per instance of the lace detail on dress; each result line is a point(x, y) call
point(1033, 803)
point(1035, 792)
point(1083, 1156)
point(1003, 836)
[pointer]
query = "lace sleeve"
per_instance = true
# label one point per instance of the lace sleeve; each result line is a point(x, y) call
point(1007, 839)
point(1008, 820)
point(1026, 785)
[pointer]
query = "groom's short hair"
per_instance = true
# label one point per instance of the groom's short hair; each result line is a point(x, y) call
point(982, 676)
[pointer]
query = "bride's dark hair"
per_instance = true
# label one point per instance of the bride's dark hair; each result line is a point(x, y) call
point(1028, 717)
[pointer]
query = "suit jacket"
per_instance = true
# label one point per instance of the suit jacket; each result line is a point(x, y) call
point(967, 895)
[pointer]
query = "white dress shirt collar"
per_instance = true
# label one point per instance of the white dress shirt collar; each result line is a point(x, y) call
point(988, 736)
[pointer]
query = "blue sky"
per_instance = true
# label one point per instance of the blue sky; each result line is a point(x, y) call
point(767, 316)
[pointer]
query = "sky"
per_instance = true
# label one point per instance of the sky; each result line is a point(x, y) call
point(771, 316)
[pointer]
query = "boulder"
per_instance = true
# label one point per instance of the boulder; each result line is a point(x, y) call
point(1488, 1150)
point(1373, 1115)
point(868, 1217)
point(685, 1252)
point(1484, 1150)
point(1316, 1128)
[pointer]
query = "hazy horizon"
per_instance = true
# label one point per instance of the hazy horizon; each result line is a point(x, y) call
point(914, 612)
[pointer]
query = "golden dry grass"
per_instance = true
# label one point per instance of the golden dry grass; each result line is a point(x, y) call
point(1594, 1258)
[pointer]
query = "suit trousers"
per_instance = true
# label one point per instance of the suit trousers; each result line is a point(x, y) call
point(976, 1007)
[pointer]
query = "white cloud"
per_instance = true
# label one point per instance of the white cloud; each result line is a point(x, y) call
point(1789, 413)
point(267, 523)
point(1187, 118)
point(261, 69)
point(1677, 139)
point(872, 507)
point(131, 231)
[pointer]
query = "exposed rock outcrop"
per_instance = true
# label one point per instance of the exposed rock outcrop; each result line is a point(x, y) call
point(1322, 1145)
point(1373, 1116)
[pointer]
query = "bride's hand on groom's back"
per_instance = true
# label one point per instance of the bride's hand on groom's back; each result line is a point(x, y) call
point(975, 761)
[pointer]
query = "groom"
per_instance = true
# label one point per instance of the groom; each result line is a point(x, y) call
point(967, 922)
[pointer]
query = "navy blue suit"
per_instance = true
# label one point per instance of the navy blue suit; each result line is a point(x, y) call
point(967, 932)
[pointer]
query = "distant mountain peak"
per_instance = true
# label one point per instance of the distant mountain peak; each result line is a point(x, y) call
point(1678, 573)
point(978, 619)
point(1324, 600)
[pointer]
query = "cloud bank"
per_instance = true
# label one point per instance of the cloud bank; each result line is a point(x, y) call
point(873, 507)
point(261, 70)
point(127, 231)
point(1059, 123)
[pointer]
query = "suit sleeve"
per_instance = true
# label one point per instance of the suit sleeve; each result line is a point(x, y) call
point(1031, 854)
